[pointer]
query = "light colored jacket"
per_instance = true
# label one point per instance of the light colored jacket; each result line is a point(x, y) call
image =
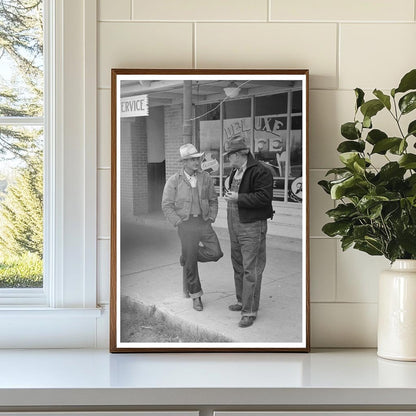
point(177, 197)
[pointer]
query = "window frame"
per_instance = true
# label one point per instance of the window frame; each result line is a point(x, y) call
point(37, 296)
point(68, 318)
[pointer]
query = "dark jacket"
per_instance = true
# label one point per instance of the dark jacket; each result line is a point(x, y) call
point(255, 193)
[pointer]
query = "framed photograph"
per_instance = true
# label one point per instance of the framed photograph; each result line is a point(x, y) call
point(209, 211)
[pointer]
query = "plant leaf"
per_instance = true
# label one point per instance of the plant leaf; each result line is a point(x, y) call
point(367, 248)
point(375, 212)
point(349, 146)
point(338, 189)
point(367, 122)
point(408, 103)
point(411, 130)
point(361, 231)
point(408, 161)
point(408, 82)
point(325, 186)
point(393, 250)
point(336, 228)
point(359, 94)
point(375, 136)
point(342, 211)
point(371, 108)
point(391, 170)
point(346, 242)
point(383, 145)
point(338, 171)
point(407, 240)
point(399, 148)
point(349, 131)
point(385, 99)
point(368, 201)
point(348, 158)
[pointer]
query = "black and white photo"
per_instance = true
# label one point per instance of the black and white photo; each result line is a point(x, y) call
point(209, 243)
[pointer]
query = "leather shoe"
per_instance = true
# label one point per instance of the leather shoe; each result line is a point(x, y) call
point(197, 304)
point(246, 321)
point(236, 307)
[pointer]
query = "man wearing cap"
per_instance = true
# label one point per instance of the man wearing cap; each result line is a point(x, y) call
point(249, 196)
point(190, 203)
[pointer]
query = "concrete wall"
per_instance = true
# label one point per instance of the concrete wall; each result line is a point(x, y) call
point(345, 44)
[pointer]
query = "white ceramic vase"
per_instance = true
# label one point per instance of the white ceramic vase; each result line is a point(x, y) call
point(397, 312)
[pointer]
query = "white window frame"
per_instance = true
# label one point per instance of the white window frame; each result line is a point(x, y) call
point(64, 313)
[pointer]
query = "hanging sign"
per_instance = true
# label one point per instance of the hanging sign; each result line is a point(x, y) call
point(136, 106)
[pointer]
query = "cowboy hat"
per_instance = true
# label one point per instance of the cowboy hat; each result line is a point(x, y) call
point(234, 144)
point(188, 151)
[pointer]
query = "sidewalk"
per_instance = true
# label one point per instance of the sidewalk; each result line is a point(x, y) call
point(151, 274)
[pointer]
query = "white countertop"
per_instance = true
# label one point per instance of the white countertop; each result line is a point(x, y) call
point(96, 377)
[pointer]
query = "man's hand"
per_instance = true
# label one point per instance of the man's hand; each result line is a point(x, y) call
point(231, 196)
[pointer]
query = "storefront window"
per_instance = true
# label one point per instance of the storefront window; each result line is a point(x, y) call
point(237, 120)
point(270, 130)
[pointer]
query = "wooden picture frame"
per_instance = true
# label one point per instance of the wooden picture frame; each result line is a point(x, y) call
point(153, 113)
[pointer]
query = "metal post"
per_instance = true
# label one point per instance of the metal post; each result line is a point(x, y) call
point(187, 112)
point(186, 138)
point(289, 131)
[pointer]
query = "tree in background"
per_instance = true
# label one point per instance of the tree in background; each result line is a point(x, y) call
point(21, 213)
point(21, 95)
point(21, 85)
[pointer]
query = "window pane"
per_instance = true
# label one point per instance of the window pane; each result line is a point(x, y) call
point(21, 146)
point(271, 105)
point(237, 120)
point(21, 59)
point(21, 212)
point(270, 137)
point(297, 102)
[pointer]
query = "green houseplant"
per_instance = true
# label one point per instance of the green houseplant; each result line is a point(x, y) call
point(376, 209)
point(376, 212)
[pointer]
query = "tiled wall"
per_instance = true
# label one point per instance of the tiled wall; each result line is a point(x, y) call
point(345, 44)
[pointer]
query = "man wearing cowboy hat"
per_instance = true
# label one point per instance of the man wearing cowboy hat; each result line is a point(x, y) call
point(190, 203)
point(249, 196)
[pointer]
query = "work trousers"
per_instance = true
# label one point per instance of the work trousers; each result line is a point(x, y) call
point(192, 232)
point(248, 257)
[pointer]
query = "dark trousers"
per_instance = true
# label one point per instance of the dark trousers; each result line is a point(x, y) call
point(191, 233)
point(248, 256)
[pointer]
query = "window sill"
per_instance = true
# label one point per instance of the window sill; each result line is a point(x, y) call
point(36, 312)
point(40, 327)
point(327, 379)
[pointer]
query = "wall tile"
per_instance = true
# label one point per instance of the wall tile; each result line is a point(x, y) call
point(357, 275)
point(376, 55)
point(346, 325)
point(328, 110)
point(104, 202)
point(114, 10)
point(104, 129)
point(342, 10)
point(103, 271)
point(320, 202)
point(200, 10)
point(257, 45)
point(143, 45)
point(323, 269)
